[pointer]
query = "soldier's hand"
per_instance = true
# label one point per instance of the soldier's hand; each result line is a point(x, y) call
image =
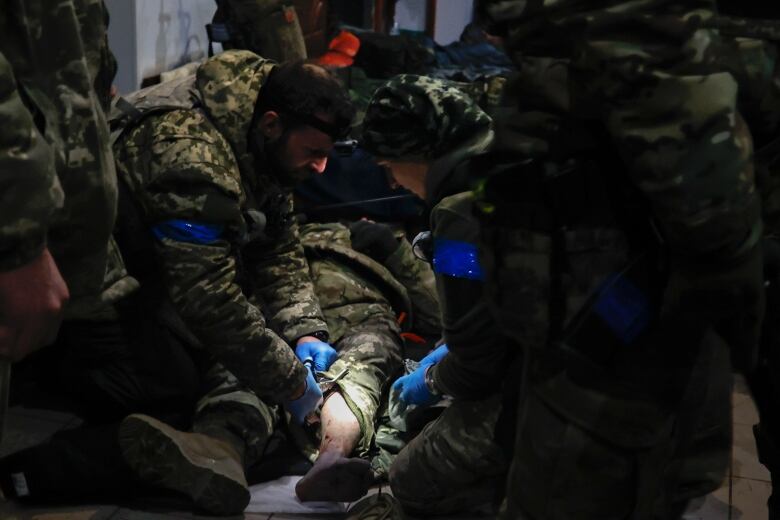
point(412, 389)
point(32, 298)
point(318, 352)
point(306, 403)
point(373, 239)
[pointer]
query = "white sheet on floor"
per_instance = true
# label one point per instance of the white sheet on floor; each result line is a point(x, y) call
point(278, 496)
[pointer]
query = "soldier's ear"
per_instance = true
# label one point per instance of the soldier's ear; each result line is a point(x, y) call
point(271, 125)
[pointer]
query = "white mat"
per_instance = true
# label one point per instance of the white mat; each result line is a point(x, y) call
point(278, 496)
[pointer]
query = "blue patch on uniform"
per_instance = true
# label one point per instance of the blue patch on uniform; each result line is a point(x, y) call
point(188, 231)
point(458, 259)
point(623, 308)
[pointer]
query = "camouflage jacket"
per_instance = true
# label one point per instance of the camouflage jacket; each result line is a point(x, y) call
point(355, 291)
point(479, 355)
point(58, 183)
point(652, 94)
point(750, 53)
point(101, 63)
point(187, 158)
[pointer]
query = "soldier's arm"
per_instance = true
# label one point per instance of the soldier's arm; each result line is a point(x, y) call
point(29, 188)
point(32, 291)
point(191, 199)
point(478, 351)
point(281, 276)
point(417, 276)
point(671, 111)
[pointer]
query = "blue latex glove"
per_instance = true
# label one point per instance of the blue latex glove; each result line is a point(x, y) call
point(435, 355)
point(306, 403)
point(412, 390)
point(319, 352)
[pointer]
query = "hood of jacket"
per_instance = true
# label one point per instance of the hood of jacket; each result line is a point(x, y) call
point(228, 86)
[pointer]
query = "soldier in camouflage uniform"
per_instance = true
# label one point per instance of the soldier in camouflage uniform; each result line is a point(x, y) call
point(366, 279)
point(750, 51)
point(425, 127)
point(93, 18)
point(59, 191)
point(208, 162)
point(602, 414)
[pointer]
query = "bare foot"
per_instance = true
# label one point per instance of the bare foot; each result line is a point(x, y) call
point(335, 478)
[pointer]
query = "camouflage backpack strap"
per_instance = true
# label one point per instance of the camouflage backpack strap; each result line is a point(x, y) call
point(128, 111)
point(218, 31)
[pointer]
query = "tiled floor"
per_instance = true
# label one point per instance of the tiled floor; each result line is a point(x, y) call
point(742, 497)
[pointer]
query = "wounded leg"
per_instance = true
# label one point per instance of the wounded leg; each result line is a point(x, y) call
point(335, 476)
point(372, 355)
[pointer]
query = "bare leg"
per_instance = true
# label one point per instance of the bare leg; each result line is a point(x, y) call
point(334, 476)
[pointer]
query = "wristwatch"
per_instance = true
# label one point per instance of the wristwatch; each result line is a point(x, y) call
point(429, 383)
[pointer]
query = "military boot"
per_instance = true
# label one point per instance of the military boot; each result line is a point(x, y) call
point(207, 469)
point(769, 456)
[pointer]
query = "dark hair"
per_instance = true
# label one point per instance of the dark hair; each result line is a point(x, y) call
point(298, 90)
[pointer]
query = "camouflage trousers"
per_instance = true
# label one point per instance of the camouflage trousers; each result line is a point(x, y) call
point(233, 413)
point(371, 356)
point(455, 464)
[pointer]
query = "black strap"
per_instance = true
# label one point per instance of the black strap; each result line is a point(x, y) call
point(217, 32)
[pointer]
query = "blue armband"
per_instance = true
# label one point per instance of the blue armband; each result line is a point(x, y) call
point(624, 308)
point(458, 259)
point(188, 231)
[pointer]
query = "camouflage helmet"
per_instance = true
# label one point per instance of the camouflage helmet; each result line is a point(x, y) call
point(415, 115)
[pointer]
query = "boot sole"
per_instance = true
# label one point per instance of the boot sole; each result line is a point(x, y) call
point(152, 451)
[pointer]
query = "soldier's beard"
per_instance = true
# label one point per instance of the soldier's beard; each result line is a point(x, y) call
point(275, 153)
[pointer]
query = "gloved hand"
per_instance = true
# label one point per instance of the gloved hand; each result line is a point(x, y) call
point(373, 239)
point(412, 390)
point(308, 402)
point(319, 353)
point(435, 355)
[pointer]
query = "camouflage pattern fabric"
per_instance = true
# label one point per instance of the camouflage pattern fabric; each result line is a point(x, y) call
point(443, 118)
point(704, 206)
point(488, 93)
point(668, 112)
point(56, 145)
point(479, 355)
point(708, 210)
point(183, 162)
point(102, 65)
point(454, 465)
point(749, 52)
point(356, 296)
point(269, 28)
point(361, 300)
point(593, 252)
point(457, 129)
point(231, 412)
